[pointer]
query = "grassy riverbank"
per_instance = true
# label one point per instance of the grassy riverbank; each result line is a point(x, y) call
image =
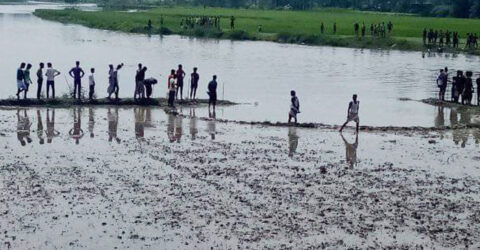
point(279, 26)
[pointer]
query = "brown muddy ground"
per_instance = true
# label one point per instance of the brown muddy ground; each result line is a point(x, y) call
point(101, 178)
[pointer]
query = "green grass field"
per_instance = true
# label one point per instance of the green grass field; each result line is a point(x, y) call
point(284, 26)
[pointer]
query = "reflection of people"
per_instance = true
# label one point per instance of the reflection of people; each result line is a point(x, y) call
point(139, 122)
point(193, 124)
point(352, 113)
point(76, 132)
point(351, 151)
point(91, 122)
point(51, 132)
point(171, 127)
point(113, 125)
point(41, 140)
point(23, 127)
point(292, 141)
point(211, 126)
point(440, 120)
point(178, 127)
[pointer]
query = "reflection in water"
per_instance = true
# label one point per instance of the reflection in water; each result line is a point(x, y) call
point(91, 122)
point(193, 124)
point(113, 125)
point(51, 132)
point(351, 151)
point(174, 128)
point(23, 127)
point(41, 139)
point(139, 122)
point(76, 132)
point(211, 126)
point(440, 120)
point(292, 141)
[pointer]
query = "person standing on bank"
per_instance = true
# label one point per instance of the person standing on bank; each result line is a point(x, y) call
point(40, 80)
point(139, 85)
point(77, 74)
point(51, 74)
point(20, 78)
point(91, 84)
point(195, 77)
point(294, 107)
point(171, 90)
point(352, 113)
point(180, 76)
point(212, 93)
point(27, 80)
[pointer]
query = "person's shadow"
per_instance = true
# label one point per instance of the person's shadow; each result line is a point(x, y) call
point(351, 151)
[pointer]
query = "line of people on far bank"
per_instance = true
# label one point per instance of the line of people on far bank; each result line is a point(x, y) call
point(462, 88)
point(376, 29)
point(143, 85)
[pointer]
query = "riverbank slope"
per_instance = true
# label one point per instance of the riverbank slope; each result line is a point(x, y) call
point(301, 27)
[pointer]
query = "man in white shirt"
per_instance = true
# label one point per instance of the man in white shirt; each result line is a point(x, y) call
point(51, 74)
point(352, 113)
point(91, 83)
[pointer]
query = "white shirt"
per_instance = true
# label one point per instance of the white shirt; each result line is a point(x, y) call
point(91, 80)
point(51, 74)
point(354, 108)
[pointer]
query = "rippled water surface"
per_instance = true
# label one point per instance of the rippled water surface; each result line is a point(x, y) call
point(258, 73)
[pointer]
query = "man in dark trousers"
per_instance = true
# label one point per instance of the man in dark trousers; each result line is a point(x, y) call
point(40, 80)
point(180, 77)
point(77, 73)
point(212, 93)
point(195, 77)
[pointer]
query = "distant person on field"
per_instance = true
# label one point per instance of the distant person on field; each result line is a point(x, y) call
point(180, 77)
point(77, 73)
point(20, 78)
point(294, 107)
point(232, 22)
point(322, 28)
point(335, 28)
point(194, 78)
point(364, 29)
point(40, 80)
point(352, 113)
point(212, 93)
point(424, 34)
point(91, 84)
point(51, 74)
point(27, 80)
point(356, 27)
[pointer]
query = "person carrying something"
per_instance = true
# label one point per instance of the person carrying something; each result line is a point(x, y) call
point(77, 73)
point(352, 113)
point(294, 107)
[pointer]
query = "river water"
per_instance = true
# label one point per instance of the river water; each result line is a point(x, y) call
point(260, 74)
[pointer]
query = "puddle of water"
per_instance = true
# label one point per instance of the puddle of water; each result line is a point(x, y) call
point(260, 73)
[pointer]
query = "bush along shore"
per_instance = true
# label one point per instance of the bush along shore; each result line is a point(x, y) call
point(276, 26)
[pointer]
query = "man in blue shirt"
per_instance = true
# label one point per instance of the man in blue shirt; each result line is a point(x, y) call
point(77, 74)
point(212, 92)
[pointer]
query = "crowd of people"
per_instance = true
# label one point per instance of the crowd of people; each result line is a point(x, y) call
point(376, 29)
point(143, 86)
point(440, 38)
point(462, 89)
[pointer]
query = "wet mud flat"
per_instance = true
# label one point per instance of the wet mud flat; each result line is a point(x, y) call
point(151, 180)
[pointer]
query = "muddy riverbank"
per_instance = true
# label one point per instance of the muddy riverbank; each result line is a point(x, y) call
point(141, 178)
